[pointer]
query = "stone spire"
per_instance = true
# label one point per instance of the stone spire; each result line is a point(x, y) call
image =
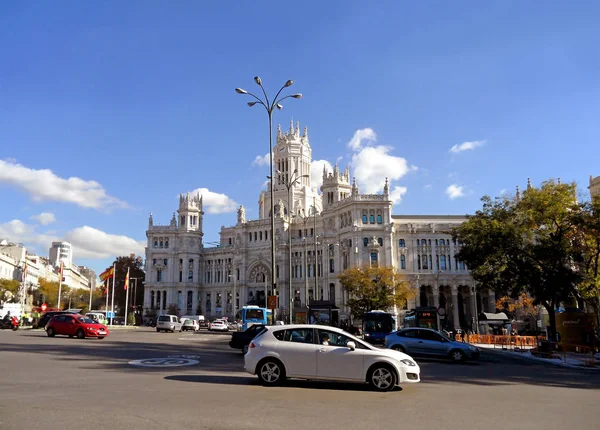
point(529, 183)
point(559, 181)
point(173, 221)
point(518, 195)
point(305, 132)
point(386, 188)
point(298, 128)
point(354, 187)
point(150, 220)
point(292, 126)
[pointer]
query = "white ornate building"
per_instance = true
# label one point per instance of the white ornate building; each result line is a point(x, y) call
point(349, 229)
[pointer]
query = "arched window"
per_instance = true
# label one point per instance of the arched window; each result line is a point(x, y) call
point(165, 261)
point(372, 219)
point(190, 301)
point(419, 262)
point(250, 237)
point(403, 262)
point(155, 243)
point(191, 270)
point(424, 260)
point(436, 242)
point(380, 241)
point(379, 219)
point(166, 243)
point(365, 219)
point(261, 235)
point(442, 262)
point(160, 243)
point(365, 241)
point(423, 242)
point(401, 243)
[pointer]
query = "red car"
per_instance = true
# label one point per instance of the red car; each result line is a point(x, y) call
point(75, 325)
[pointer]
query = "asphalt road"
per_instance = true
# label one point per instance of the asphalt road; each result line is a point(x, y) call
point(61, 383)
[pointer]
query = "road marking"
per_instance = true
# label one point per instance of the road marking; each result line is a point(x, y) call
point(191, 357)
point(164, 362)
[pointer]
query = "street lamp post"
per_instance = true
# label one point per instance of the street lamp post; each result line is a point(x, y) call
point(293, 180)
point(270, 107)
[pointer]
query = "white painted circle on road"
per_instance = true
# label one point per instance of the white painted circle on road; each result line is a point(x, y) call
point(191, 357)
point(164, 362)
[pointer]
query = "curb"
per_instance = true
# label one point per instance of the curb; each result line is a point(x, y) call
point(530, 358)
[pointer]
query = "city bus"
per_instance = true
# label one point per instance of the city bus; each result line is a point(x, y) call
point(377, 325)
point(425, 317)
point(251, 315)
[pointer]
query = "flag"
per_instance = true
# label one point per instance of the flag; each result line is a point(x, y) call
point(105, 292)
point(127, 279)
point(108, 273)
point(261, 201)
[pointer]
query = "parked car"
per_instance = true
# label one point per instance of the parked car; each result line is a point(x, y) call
point(168, 323)
point(75, 325)
point(45, 318)
point(426, 342)
point(241, 339)
point(189, 324)
point(325, 353)
point(218, 325)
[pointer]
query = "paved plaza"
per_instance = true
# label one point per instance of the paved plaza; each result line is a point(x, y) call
point(140, 379)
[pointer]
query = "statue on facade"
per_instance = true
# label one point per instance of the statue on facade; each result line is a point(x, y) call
point(241, 215)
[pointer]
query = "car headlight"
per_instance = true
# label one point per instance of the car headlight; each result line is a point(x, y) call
point(474, 349)
point(367, 335)
point(91, 328)
point(408, 362)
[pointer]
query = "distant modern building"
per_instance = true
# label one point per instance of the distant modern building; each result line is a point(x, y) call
point(349, 229)
point(60, 252)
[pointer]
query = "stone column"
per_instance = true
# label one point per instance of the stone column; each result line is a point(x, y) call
point(436, 300)
point(491, 301)
point(194, 301)
point(146, 298)
point(455, 305)
point(474, 308)
point(417, 293)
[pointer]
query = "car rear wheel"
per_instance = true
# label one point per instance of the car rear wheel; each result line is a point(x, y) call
point(398, 348)
point(382, 378)
point(270, 372)
point(80, 334)
point(457, 356)
point(158, 330)
point(50, 332)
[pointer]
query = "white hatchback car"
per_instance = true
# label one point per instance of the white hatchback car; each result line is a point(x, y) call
point(317, 352)
point(218, 325)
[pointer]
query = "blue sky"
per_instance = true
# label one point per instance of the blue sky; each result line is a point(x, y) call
point(134, 102)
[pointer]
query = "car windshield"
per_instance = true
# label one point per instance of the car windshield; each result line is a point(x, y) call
point(164, 318)
point(378, 325)
point(86, 320)
point(188, 322)
point(257, 314)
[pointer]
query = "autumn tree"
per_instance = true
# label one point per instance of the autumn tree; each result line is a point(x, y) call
point(48, 293)
point(136, 266)
point(523, 304)
point(371, 288)
point(526, 245)
point(9, 290)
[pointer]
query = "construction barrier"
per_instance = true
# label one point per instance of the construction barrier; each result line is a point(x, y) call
point(503, 341)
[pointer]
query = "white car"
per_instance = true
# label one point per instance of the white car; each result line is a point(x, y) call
point(316, 352)
point(218, 325)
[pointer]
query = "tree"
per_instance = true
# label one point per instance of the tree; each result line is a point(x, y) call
point(523, 304)
point(136, 266)
point(9, 290)
point(372, 288)
point(48, 291)
point(526, 245)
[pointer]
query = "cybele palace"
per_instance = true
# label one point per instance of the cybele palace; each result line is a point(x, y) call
point(347, 229)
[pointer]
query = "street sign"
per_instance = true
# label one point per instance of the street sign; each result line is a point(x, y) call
point(44, 306)
point(441, 312)
point(272, 302)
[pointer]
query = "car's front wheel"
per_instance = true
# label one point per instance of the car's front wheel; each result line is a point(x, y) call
point(382, 378)
point(80, 334)
point(50, 332)
point(457, 356)
point(398, 348)
point(271, 372)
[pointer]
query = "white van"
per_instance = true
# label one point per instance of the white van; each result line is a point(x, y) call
point(168, 323)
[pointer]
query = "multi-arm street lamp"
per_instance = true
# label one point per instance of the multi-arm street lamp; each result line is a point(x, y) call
point(270, 107)
point(293, 180)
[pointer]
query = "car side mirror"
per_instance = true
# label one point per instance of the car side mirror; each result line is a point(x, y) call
point(351, 345)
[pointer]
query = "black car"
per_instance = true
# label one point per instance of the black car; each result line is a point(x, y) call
point(241, 339)
point(44, 319)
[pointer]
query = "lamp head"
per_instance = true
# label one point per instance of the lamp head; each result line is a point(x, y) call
point(279, 106)
point(297, 96)
point(241, 91)
point(251, 103)
point(257, 80)
point(289, 83)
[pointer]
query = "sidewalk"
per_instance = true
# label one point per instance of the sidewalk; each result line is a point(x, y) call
point(571, 360)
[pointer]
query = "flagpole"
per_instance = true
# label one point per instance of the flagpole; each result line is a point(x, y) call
point(126, 294)
point(112, 300)
point(60, 284)
point(107, 285)
point(91, 291)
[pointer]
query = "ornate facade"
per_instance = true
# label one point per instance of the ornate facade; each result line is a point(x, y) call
point(347, 229)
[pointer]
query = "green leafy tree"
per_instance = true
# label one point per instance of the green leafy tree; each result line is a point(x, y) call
point(526, 245)
point(372, 288)
point(588, 226)
point(48, 293)
point(136, 266)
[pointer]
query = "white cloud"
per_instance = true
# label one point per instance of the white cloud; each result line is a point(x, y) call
point(454, 191)
point(87, 242)
point(397, 194)
point(44, 218)
point(316, 172)
point(466, 146)
point(261, 161)
point(44, 185)
point(360, 137)
point(503, 191)
point(427, 186)
point(92, 243)
point(215, 203)
point(373, 164)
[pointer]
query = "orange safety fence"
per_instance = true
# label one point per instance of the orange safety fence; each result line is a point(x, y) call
point(504, 341)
